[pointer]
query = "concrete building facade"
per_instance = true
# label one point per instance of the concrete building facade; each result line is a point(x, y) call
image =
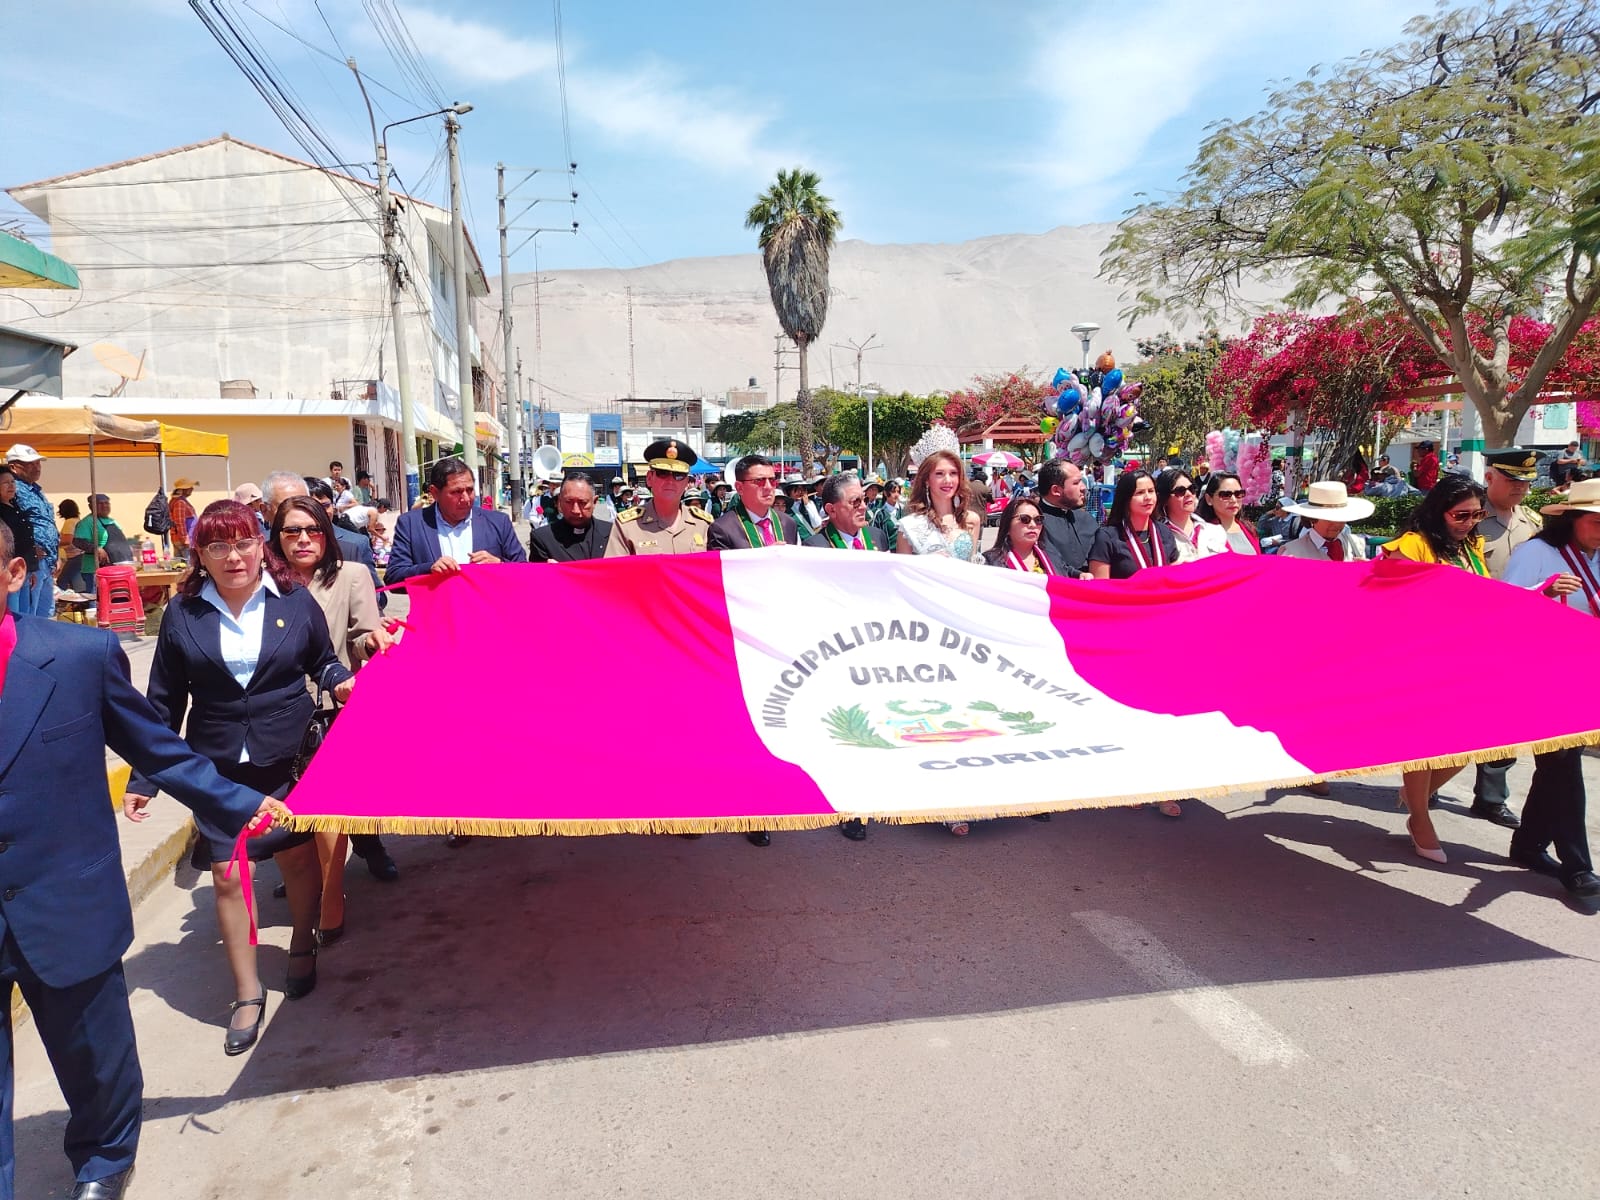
point(236, 289)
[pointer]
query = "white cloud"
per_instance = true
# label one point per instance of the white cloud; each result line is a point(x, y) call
point(477, 52)
point(651, 106)
point(1160, 56)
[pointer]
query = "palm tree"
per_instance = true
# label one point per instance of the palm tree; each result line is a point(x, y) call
point(798, 226)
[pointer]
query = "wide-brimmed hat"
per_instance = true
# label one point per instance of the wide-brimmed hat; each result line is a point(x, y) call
point(1583, 496)
point(1330, 501)
point(247, 493)
point(179, 484)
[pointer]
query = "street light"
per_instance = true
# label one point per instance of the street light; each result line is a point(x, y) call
point(408, 420)
point(782, 425)
point(871, 393)
point(1085, 331)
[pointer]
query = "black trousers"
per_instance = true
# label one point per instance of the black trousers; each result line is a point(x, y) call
point(1553, 815)
point(1490, 786)
point(87, 1031)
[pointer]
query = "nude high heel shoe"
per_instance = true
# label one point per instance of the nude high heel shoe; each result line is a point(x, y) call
point(1437, 854)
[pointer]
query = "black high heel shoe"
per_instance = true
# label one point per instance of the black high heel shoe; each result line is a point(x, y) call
point(298, 987)
point(240, 1040)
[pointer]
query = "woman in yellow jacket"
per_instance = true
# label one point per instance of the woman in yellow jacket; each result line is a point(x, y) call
point(1443, 530)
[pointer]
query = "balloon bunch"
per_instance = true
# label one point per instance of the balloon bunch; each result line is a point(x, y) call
point(1091, 414)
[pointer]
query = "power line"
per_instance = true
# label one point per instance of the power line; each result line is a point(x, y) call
point(561, 81)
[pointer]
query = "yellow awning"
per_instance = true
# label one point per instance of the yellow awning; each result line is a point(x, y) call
point(70, 432)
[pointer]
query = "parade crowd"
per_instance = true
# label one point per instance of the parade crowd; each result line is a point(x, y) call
point(281, 608)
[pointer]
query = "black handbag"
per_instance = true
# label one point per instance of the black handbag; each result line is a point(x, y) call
point(316, 732)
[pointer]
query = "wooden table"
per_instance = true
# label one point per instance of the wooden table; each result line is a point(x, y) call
point(164, 578)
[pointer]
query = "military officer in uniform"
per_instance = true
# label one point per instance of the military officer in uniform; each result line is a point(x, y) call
point(1508, 523)
point(663, 524)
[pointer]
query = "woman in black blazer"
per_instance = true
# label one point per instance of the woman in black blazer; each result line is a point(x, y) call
point(235, 650)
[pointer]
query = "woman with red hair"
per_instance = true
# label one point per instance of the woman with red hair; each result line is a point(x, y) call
point(234, 653)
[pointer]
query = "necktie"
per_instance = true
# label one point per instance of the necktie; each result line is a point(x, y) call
point(1335, 549)
point(856, 544)
point(765, 525)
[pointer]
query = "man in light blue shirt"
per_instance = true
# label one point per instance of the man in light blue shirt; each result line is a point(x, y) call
point(27, 464)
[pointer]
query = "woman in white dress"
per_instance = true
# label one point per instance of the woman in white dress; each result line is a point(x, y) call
point(941, 517)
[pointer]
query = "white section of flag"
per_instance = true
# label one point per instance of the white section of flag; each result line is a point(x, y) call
point(923, 685)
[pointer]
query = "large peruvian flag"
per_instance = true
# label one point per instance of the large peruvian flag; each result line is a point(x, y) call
point(790, 688)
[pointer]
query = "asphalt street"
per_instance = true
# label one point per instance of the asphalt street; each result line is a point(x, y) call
point(1269, 997)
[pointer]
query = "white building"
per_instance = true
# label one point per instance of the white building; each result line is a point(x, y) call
point(231, 288)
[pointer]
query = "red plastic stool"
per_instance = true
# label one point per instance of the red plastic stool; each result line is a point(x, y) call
point(121, 609)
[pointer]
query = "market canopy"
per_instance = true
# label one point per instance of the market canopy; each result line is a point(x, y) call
point(75, 432)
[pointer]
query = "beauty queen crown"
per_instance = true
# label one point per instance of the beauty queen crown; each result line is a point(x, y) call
point(938, 437)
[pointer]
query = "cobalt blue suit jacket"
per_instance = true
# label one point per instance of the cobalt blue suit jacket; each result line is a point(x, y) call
point(416, 541)
point(62, 893)
point(269, 717)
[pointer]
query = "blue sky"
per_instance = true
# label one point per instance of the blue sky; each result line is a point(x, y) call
point(937, 121)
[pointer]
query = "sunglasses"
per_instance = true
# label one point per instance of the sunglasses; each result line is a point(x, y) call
point(1183, 489)
point(1227, 495)
point(293, 532)
point(1027, 520)
point(1476, 514)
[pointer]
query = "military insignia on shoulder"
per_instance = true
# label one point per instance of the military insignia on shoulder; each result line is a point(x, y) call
point(700, 514)
point(631, 514)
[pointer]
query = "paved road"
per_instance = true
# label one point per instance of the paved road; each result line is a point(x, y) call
point(1269, 997)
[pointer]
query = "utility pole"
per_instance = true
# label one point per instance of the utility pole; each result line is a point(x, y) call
point(514, 430)
point(395, 270)
point(861, 348)
point(514, 405)
point(458, 239)
point(633, 391)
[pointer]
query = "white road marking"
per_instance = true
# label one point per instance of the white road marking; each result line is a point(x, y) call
point(1233, 1025)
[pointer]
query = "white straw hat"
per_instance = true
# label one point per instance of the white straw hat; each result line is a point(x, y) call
point(1583, 496)
point(1329, 501)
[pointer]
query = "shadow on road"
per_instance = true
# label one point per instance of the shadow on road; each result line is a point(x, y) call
point(527, 950)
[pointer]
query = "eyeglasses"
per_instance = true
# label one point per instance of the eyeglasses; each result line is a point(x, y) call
point(220, 550)
point(292, 532)
point(1227, 495)
point(1472, 516)
point(761, 481)
point(1183, 489)
point(858, 502)
point(1022, 519)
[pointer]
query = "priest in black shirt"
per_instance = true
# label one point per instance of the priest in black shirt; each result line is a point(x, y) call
point(574, 534)
point(1068, 526)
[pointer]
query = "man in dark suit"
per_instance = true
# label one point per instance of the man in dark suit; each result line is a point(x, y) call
point(1068, 526)
point(752, 521)
point(576, 534)
point(844, 505)
point(65, 920)
point(453, 531)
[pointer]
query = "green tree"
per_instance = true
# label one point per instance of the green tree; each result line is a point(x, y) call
point(1177, 402)
point(1424, 171)
point(735, 429)
point(797, 226)
point(897, 422)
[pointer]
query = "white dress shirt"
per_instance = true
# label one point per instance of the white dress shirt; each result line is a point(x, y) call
point(1536, 560)
point(241, 635)
point(455, 541)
